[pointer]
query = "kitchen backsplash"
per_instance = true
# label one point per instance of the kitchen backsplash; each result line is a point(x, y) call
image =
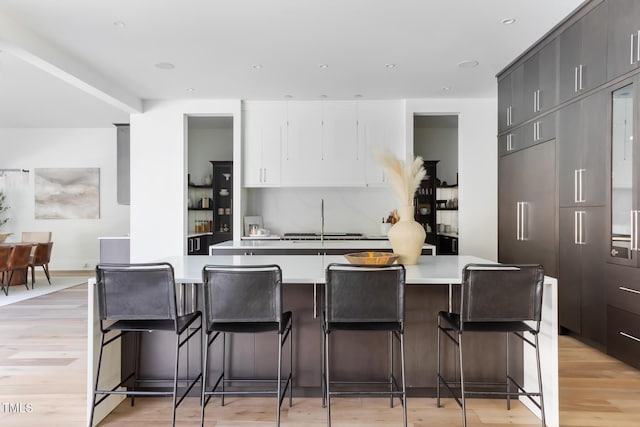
point(358, 210)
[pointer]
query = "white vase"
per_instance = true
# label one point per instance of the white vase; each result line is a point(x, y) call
point(407, 237)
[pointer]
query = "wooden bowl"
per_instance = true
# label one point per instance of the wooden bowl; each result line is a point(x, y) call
point(380, 258)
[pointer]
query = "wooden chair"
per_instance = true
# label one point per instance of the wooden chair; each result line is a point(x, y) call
point(5, 253)
point(18, 261)
point(40, 257)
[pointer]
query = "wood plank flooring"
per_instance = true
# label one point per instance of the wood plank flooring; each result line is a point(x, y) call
point(43, 382)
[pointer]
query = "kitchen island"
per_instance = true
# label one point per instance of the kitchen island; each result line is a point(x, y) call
point(305, 247)
point(430, 288)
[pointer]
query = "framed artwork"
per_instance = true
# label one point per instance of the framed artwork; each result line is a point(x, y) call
point(67, 193)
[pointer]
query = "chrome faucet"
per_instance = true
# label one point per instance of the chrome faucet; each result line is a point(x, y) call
point(321, 220)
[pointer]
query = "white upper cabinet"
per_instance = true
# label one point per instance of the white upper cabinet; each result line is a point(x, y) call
point(264, 132)
point(319, 143)
point(342, 151)
point(302, 151)
point(380, 124)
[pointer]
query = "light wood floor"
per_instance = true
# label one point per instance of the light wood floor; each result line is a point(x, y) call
point(43, 382)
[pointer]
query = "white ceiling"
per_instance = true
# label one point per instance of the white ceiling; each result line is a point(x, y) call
point(55, 51)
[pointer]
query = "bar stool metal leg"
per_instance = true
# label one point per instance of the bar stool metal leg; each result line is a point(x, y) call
point(542, 415)
point(327, 378)
point(438, 365)
point(508, 373)
point(390, 338)
point(462, 399)
point(279, 386)
point(404, 383)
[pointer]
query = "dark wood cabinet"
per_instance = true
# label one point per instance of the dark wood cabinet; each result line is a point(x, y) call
point(540, 81)
point(447, 245)
point(510, 99)
point(199, 245)
point(581, 284)
point(425, 202)
point(222, 182)
point(583, 54)
point(527, 208)
point(623, 38)
point(582, 150)
point(542, 129)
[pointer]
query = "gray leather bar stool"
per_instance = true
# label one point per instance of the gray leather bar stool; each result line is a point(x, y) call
point(141, 298)
point(239, 300)
point(364, 298)
point(495, 298)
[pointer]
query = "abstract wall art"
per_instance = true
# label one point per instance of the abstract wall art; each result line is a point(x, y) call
point(67, 193)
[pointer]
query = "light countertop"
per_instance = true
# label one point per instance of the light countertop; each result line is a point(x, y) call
point(309, 244)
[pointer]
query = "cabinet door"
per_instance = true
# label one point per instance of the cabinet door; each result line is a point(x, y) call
point(581, 151)
point(623, 47)
point(570, 272)
point(380, 124)
point(302, 153)
point(264, 128)
point(342, 151)
point(583, 54)
point(511, 100)
point(592, 260)
point(527, 207)
point(540, 70)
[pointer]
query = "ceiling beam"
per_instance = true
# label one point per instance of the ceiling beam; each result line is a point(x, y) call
point(33, 49)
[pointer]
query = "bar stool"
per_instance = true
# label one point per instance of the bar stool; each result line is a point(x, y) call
point(495, 298)
point(365, 298)
point(245, 299)
point(141, 298)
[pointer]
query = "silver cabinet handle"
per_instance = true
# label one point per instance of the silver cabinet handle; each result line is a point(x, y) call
point(315, 301)
point(538, 100)
point(638, 46)
point(578, 228)
point(578, 185)
point(625, 289)
point(518, 220)
point(535, 101)
point(624, 334)
point(634, 231)
point(264, 175)
point(580, 77)
point(575, 79)
point(631, 60)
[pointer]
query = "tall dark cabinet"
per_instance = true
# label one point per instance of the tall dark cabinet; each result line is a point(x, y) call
point(591, 172)
point(526, 211)
point(425, 202)
point(222, 182)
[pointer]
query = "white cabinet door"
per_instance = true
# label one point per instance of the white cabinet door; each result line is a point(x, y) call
point(342, 152)
point(264, 129)
point(380, 124)
point(302, 151)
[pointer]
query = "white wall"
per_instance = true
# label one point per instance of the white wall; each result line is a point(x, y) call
point(477, 165)
point(159, 174)
point(76, 243)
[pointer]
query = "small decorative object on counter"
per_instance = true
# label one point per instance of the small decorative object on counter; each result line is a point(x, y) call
point(406, 236)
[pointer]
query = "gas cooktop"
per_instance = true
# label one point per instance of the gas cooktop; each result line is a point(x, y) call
point(325, 236)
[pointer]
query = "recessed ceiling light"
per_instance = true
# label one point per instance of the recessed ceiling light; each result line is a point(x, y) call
point(508, 21)
point(323, 96)
point(288, 96)
point(165, 66)
point(446, 88)
point(256, 66)
point(119, 24)
point(471, 63)
point(357, 95)
point(390, 65)
point(190, 89)
point(323, 65)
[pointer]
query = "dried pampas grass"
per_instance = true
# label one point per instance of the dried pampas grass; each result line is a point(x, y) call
point(404, 179)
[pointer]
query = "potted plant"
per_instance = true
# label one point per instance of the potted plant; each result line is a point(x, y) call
point(3, 218)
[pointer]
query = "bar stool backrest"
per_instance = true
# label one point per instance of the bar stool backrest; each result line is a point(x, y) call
point(242, 293)
point(364, 293)
point(136, 291)
point(501, 293)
